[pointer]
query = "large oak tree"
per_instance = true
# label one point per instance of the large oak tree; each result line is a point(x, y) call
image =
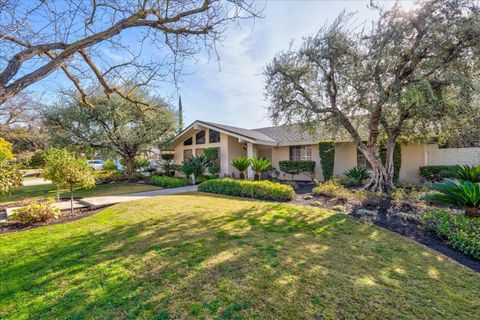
point(396, 77)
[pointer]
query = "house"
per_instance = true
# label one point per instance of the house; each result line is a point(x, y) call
point(291, 142)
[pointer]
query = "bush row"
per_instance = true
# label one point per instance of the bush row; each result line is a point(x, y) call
point(167, 182)
point(265, 190)
point(107, 176)
point(461, 232)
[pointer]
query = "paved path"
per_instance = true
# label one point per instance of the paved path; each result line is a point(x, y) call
point(98, 202)
point(35, 182)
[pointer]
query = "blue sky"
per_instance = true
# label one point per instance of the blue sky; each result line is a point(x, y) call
point(232, 91)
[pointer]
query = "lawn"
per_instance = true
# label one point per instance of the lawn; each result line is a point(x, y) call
point(49, 190)
point(197, 256)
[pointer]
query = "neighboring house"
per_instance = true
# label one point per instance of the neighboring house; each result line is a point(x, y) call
point(293, 143)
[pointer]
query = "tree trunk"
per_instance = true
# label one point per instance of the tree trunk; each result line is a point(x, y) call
point(71, 199)
point(129, 164)
point(58, 193)
point(382, 179)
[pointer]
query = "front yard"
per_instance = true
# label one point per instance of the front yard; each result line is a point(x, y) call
point(200, 256)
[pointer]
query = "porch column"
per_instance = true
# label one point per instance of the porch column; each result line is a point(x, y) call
point(251, 152)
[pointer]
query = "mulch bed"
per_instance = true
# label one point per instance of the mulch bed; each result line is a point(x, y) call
point(386, 218)
point(67, 216)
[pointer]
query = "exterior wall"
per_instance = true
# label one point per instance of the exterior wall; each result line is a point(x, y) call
point(451, 156)
point(235, 149)
point(413, 157)
point(345, 157)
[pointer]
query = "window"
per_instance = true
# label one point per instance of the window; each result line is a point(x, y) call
point(362, 162)
point(213, 136)
point(199, 152)
point(187, 154)
point(188, 142)
point(200, 137)
point(301, 153)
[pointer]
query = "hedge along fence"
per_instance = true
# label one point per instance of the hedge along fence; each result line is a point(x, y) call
point(327, 158)
point(265, 190)
point(294, 167)
point(435, 173)
point(397, 158)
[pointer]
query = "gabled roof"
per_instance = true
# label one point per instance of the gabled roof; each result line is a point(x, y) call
point(248, 133)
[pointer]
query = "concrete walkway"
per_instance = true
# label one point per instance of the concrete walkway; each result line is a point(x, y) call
point(99, 202)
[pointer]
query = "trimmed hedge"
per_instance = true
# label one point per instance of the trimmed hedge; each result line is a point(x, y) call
point(167, 182)
point(327, 158)
point(461, 232)
point(435, 173)
point(294, 167)
point(265, 190)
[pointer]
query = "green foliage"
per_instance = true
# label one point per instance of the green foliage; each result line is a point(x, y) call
point(466, 173)
point(167, 156)
point(260, 165)
point(10, 177)
point(5, 150)
point(397, 158)
point(211, 154)
point(266, 190)
point(36, 211)
point(435, 173)
point(37, 160)
point(464, 194)
point(461, 232)
point(108, 176)
point(138, 163)
point(295, 167)
point(357, 175)
point(241, 164)
point(196, 165)
point(332, 188)
point(327, 158)
point(167, 182)
point(214, 170)
point(109, 165)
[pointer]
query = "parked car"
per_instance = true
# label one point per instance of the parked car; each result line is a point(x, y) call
point(96, 164)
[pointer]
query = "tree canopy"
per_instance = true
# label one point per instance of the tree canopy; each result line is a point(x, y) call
point(398, 76)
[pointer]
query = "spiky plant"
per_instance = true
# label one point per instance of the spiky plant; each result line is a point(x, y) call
point(466, 173)
point(260, 165)
point(464, 194)
point(241, 164)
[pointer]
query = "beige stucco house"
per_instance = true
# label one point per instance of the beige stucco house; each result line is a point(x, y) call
point(293, 143)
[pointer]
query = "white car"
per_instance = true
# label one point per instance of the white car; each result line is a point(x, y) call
point(96, 164)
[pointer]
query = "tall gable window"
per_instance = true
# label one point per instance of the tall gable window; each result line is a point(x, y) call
point(301, 153)
point(362, 162)
point(200, 137)
point(187, 154)
point(188, 142)
point(213, 136)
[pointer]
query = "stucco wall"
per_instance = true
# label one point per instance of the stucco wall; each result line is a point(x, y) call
point(413, 157)
point(345, 157)
point(235, 149)
point(452, 156)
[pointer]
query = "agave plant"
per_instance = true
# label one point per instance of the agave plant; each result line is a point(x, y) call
point(260, 165)
point(466, 173)
point(194, 165)
point(358, 175)
point(464, 194)
point(241, 164)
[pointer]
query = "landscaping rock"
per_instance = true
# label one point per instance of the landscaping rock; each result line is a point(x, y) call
point(366, 213)
point(339, 208)
point(405, 216)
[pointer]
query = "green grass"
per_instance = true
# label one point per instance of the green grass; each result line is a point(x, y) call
point(49, 190)
point(199, 256)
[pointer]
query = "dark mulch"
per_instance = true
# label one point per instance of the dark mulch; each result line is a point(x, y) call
point(385, 217)
point(67, 216)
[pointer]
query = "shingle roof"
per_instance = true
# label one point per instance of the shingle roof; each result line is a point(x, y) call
point(248, 133)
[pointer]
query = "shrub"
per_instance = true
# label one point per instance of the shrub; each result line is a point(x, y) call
point(466, 173)
point(138, 164)
point(294, 167)
point(347, 182)
point(211, 154)
point(461, 232)
point(327, 158)
point(435, 173)
point(266, 190)
point(241, 164)
point(292, 184)
point(214, 170)
point(10, 177)
point(332, 188)
point(464, 194)
point(37, 160)
point(36, 211)
point(357, 175)
point(196, 165)
point(167, 182)
point(109, 165)
point(167, 156)
point(259, 165)
point(406, 198)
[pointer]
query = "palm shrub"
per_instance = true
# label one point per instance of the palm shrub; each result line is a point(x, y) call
point(466, 173)
point(241, 164)
point(260, 165)
point(357, 175)
point(464, 194)
point(195, 166)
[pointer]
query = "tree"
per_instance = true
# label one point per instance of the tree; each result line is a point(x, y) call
point(5, 150)
point(65, 168)
point(259, 165)
point(92, 40)
point(114, 124)
point(10, 175)
point(401, 75)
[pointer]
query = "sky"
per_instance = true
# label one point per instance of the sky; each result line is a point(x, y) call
point(234, 95)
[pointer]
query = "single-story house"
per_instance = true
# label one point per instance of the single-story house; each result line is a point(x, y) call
point(291, 142)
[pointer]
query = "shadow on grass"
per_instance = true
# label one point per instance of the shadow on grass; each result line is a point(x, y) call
point(241, 259)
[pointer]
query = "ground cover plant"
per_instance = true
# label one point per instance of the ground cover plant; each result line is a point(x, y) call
point(200, 256)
